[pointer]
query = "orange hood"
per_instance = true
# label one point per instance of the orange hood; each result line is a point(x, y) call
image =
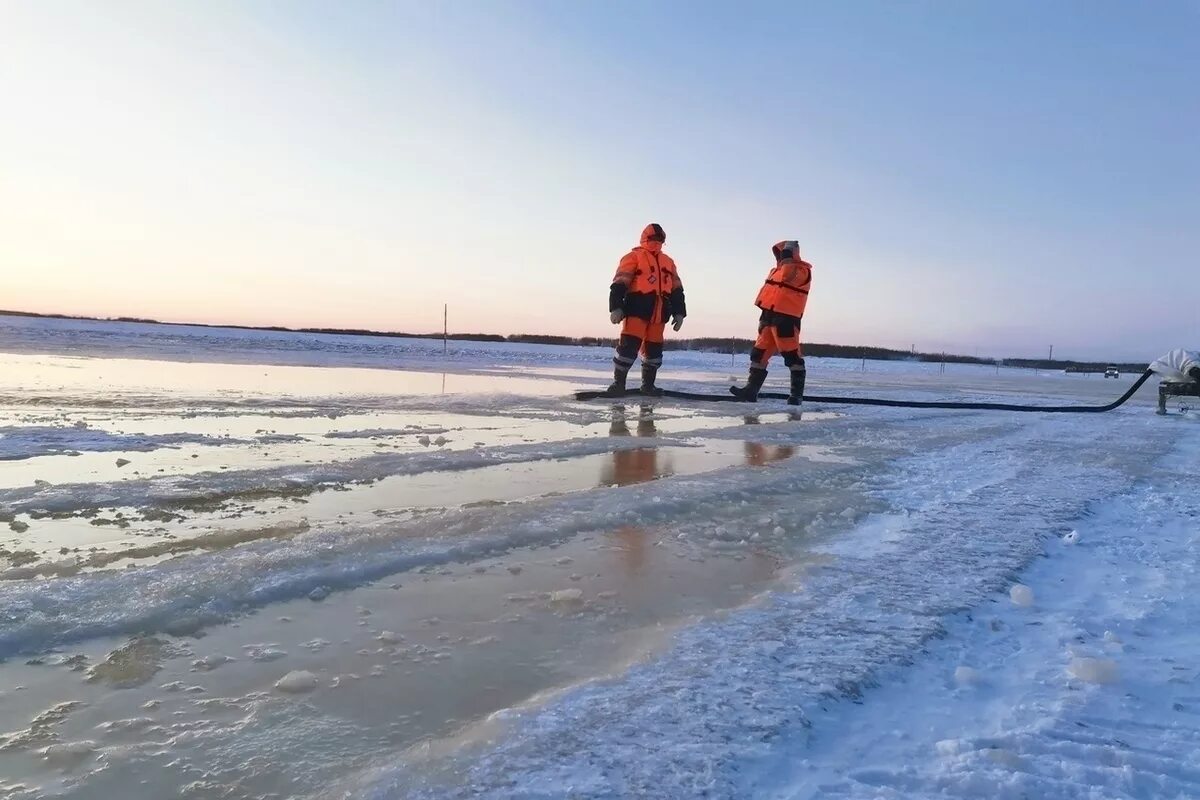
point(653, 237)
point(787, 250)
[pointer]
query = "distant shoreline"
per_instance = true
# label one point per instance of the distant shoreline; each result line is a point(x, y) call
point(709, 344)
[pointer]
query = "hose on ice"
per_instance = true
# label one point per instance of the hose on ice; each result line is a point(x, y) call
point(879, 401)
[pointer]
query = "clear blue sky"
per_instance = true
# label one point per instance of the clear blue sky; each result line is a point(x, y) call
point(996, 176)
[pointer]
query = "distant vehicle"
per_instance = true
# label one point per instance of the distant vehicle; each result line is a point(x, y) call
point(1112, 372)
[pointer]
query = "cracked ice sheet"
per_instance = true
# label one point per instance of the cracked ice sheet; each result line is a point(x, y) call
point(733, 700)
point(210, 486)
point(214, 587)
point(29, 441)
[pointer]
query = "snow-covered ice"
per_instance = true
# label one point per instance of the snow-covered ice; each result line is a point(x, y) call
point(1021, 595)
point(297, 682)
point(524, 596)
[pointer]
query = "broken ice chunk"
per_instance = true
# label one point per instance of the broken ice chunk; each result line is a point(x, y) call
point(567, 597)
point(966, 676)
point(1093, 670)
point(1021, 595)
point(296, 682)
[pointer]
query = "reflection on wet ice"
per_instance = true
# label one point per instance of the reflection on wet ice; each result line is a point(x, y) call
point(645, 421)
point(629, 467)
point(759, 455)
point(631, 546)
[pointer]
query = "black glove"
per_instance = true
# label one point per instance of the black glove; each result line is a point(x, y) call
point(678, 303)
point(616, 297)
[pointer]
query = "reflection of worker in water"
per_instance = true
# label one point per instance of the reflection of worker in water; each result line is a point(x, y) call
point(645, 421)
point(627, 467)
point(1180, 371)
point(759, 455)
point(631, 542)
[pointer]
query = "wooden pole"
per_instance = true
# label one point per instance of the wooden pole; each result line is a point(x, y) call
point(445, 328)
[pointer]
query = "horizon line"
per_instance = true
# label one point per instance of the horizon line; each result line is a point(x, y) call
point(480, 336)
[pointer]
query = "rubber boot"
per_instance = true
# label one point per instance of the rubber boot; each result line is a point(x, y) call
point(617, 387)
point(754, 383)
point(796, 397)
point(649, 373)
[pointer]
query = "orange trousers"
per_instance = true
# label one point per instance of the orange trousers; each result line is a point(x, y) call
point(648, 331)
point(774, 339)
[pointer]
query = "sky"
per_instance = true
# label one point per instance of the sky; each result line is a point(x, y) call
point(991, 177)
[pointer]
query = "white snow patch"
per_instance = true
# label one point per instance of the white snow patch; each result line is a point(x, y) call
point(297, 682)
point(1094, 670)
point(209, 663)
point(567, 597)
point(1021, 595)
point(264, 653)
point(967, 676)
point(68, 754)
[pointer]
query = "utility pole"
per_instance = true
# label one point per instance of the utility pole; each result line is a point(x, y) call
point(1051, 352)
point(445, 328)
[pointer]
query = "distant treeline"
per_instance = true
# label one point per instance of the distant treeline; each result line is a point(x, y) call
point(703, 344)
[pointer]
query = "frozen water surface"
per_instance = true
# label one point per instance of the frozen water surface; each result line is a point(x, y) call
point(251, 564)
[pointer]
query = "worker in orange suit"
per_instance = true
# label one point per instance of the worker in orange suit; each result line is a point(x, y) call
point(783, 298)
point(646, 292)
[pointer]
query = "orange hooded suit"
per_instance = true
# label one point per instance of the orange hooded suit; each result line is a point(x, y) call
point(783, 299)
point(645, 293)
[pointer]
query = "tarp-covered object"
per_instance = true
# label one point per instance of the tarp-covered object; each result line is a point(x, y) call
point(1175, 365)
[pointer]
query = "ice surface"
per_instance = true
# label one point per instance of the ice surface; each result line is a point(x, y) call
point(132, 665)
point(297, 682)
point(861, 557)
point(1039, 728)
point(734, 701)
point(1094, 670)
point(567, 597)
point(967, 676)
point(18, 442)
point(68, 754)
point(264, 653)
point(1021, 595)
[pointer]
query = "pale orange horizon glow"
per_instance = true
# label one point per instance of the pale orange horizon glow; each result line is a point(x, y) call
point(246, 164)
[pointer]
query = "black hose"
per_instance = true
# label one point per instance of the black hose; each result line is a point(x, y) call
point(875, 401)
point(871, 401)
